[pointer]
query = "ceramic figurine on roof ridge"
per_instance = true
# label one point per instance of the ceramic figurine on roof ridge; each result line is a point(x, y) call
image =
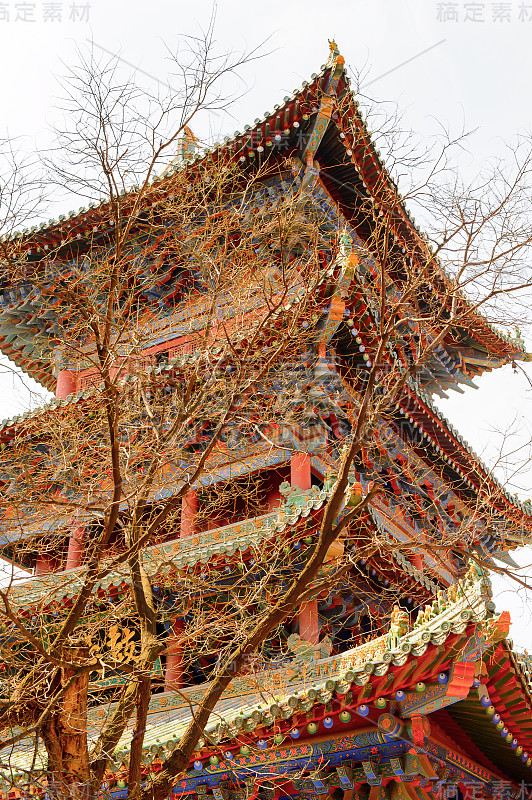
point(399, 624)
point(333, 52)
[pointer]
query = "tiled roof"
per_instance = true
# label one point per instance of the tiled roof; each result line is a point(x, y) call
point(309, 95)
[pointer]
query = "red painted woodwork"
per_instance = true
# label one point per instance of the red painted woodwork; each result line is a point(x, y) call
point(300, 470)
point(189, 509)
point(274, 499)
point(173, 677)
point(76, 545)
point(309, 628)
point(45, 564)
point(66, 384)
point(417, 561)
point(308, 615)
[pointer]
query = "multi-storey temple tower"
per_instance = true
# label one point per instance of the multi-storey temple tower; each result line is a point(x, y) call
point(396, 680)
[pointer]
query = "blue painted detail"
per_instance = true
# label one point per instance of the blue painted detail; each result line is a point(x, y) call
point(241, 772)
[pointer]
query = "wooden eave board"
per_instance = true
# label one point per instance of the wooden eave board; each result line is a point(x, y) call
point(477, 726)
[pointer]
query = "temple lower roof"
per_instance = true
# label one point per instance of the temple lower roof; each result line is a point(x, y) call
point(347, 702)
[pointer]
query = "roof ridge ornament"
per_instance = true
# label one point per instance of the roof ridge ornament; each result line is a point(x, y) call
point(187, 147)
point(333, 52)
point(326, 106)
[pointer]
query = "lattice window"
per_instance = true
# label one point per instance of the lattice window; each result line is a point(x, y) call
point(87, 381)
point(187, 346)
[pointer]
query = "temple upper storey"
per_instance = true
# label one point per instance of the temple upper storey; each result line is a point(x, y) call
point(316, 140)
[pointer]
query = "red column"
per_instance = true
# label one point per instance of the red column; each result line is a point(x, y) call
point(45, 564)
point(76, 545)
point(309, 628)
point(300, 470)
point(417, 561)
point(308, 613)
point(189, 509)
point(173, 676)
point(66, 384)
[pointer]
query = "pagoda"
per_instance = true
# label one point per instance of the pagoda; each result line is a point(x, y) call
point(374, 692)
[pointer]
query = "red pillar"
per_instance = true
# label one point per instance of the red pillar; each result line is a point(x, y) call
point(300, 470)
point(173, 676)
point(417, 561)
point(189, 509)
point(76, 545)
point(66, 384)
point(45, 564)
point(309, 628)
point(308, 613)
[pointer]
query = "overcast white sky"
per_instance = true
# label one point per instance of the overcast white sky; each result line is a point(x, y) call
point(467, 63)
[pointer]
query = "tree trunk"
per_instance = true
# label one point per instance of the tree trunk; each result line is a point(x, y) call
point(135, 753)
point(65, 734)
